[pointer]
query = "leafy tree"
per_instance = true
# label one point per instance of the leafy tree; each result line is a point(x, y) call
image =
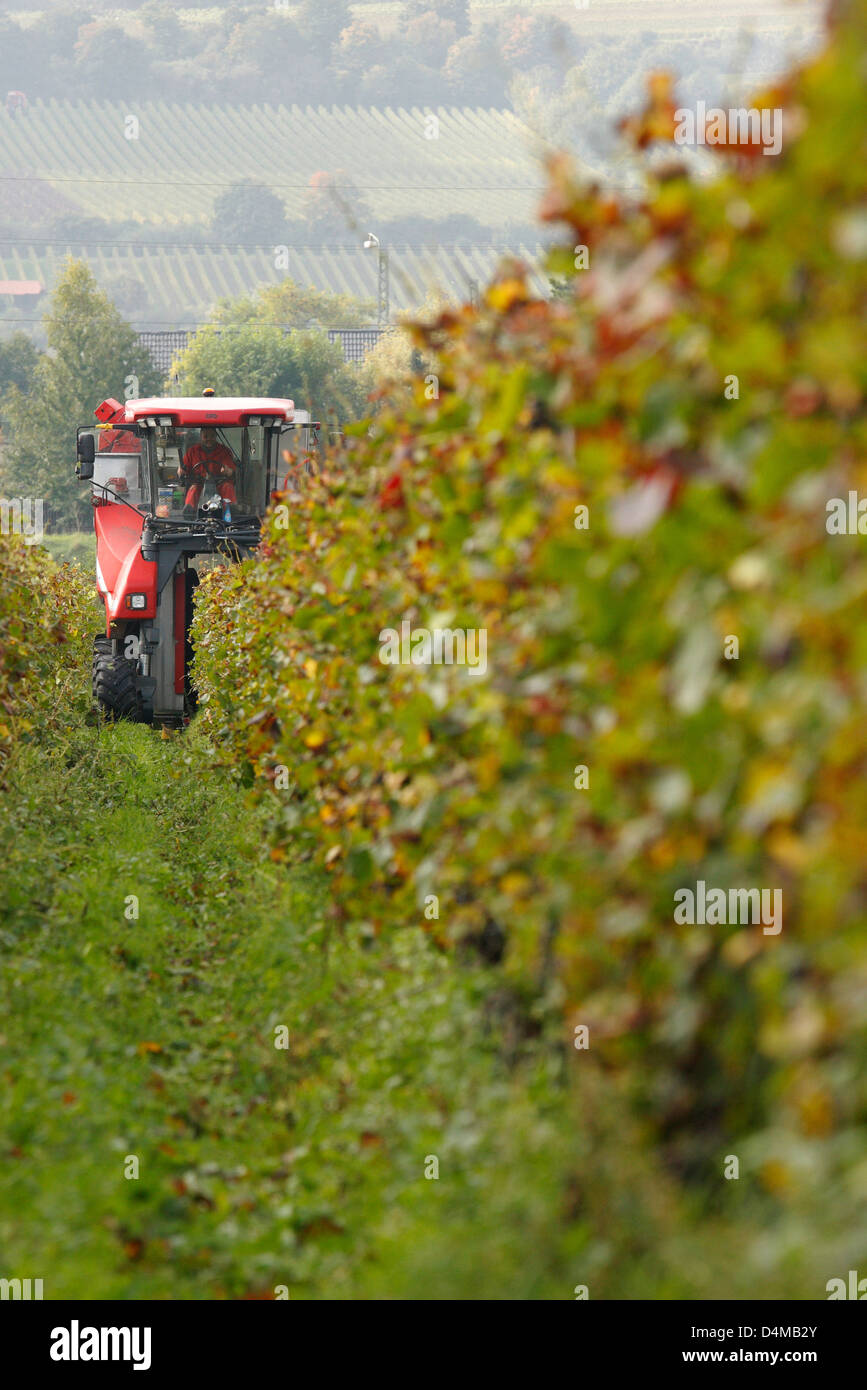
point(248, 213)
point(534, 40)
point(261, 360)
point(322, 22)
point(166, 35)
point(391, 369)
point(18, 362)
point(111, 61)
point(265, 48)
point(357, 50)
point(333, 206)
point(290, 305)
point(75, 226)
point(429, 36)
point(21, 51)
point(568, 115)
point(473, 64)
point(403, 80)
point(456, 12)
point(127, 292)
point(92, 353)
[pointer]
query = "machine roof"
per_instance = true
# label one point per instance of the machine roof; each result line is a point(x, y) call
point(204, 410)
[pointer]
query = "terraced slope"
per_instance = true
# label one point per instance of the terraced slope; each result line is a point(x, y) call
point(178, 158)
point(180, 285)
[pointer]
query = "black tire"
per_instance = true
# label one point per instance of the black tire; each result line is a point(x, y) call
point(114, 684)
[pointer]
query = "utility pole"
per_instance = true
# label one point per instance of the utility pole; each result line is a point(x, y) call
point(383, 307)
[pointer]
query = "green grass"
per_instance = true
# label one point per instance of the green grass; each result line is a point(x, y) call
point(72, 547)
point(153, 1039)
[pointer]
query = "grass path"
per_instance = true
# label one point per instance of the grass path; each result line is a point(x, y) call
point(156, 1143)
point(72, 547)
point(148, 1044)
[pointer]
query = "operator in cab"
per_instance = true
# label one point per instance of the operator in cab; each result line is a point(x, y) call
point(207, 459)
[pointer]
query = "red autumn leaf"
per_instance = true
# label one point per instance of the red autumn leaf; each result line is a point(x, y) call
point(803, 397)
point(392, 494)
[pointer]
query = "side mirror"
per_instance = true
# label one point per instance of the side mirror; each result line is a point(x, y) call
point(86, 450)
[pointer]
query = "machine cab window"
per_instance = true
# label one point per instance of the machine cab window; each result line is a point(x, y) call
point(299, 453)
point(194, 464)
point(119, 473)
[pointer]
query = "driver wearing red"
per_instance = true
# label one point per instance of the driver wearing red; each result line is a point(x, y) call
point(207, 459)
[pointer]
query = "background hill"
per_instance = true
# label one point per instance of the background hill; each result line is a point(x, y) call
point(170, 167)
point(147, 128)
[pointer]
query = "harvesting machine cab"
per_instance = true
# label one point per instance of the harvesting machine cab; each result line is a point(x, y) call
point(174, 480)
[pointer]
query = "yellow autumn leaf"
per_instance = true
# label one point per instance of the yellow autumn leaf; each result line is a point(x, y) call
point(503, 295)
point(488, 770)
point(515, 884)
point(663, 853)
point(790, 850)
point(816, 1113)
point(775, 1176)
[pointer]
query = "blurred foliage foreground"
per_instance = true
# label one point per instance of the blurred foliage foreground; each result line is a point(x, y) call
point(47, 617)
point(699, 389)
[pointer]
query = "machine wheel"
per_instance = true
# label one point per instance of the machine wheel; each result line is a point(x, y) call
point(114, 685)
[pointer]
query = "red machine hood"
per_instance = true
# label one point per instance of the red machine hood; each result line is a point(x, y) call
point(120, 566)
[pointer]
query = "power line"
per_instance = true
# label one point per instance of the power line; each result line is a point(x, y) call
point(277, 183)
point(250, 245)
point(287, 327)
point(172, 325)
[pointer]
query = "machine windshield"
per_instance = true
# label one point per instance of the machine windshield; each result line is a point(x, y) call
point(184, 472)
point(195, 464)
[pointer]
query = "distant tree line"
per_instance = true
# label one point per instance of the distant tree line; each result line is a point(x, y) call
point(316, 51)
point(251, 214)
point(321, 52)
